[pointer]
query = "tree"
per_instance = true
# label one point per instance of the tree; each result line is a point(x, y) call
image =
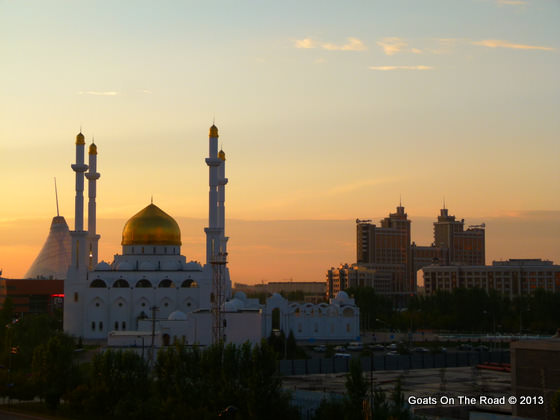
point(356, 389)
point(52, 368)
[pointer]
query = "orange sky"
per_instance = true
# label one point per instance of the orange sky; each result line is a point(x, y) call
point(298, 250)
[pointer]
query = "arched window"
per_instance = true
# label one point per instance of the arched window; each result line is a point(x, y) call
point(166, 283)
point(121, 283)
point(143, 283)
point(189, 283)
point(166, 339)
point(98, 283)
point(348, 312)
point(276, 319)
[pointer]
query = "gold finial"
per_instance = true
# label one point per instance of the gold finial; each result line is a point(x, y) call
point(92, 148)
point(222, 155)
point(213, 131)
point(80, 139)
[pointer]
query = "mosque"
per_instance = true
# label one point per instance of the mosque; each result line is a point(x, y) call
point(151, 289)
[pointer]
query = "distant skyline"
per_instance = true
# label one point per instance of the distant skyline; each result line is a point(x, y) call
point(327, 111)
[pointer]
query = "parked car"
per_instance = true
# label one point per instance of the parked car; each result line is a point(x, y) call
point(320, 349)
point(392, 346)
point(481, 348)
point(340, 348)
point(355, 346)
point(420, 350)
point(466, 347)
point(392, 353)
point(342, 355)
point(377, 347)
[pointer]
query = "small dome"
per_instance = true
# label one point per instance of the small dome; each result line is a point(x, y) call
point(222, 155)
point(342, 296)
point(93, 149)
point(80, 139)
point(241, 296)
point(213, 131)
point(151, 226)
point(177, 316)
point(102, 266)
point(234, 305)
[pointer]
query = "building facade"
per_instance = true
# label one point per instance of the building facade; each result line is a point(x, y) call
point(514, 277)
point(350, 276)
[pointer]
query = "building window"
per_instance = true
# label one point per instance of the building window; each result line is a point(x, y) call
point(100, 326)
point(97, 304)
point(347, 327)
point(93, 325)
point(299, 328)
point(75, 296)
point(116, 325)
point(123, 325)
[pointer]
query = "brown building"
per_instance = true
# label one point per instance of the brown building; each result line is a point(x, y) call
point(387, 248)
point(466, 247)
point(514, 277)
point(31, 295)
point(346, 276)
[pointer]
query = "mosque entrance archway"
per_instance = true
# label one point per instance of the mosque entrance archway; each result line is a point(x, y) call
point(275, 319)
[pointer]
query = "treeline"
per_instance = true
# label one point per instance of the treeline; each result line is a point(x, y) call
point(465, 310)
point(237, 382)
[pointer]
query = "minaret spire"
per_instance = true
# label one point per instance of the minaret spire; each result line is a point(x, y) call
point(92, 175)
point(56, 196)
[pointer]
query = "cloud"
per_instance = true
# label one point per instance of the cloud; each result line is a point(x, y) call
point(392, 45)
point(146, 91)
point(512, 2)
point(354, 44)
point(305, 43)
point(98, 93)
point(416, 51)
point(388, 68)
point(497, 43)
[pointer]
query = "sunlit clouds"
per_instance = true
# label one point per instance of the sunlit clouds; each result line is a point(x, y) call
point(392, 45)
point(389, 68)
point(497, 43)
point(352, 44)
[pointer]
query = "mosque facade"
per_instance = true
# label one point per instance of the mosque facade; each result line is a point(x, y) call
point(150, 285)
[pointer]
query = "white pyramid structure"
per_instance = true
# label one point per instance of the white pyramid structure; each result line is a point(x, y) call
point(54, 258)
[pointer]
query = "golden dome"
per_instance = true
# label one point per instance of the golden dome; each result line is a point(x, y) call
point(222, 155)
point(80, 138)
point(93, 149)
point(151, 226)
point(213, 131)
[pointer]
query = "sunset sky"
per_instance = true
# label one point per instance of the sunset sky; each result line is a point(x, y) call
point(327, 111)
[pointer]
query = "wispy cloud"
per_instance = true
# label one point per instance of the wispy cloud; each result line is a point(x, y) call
point(392, 45)
point(98, 93)
point(497, 43)
point(305, 43)
point(389, 68)
point(353, 44)
point(146, 91)
point(512, 2)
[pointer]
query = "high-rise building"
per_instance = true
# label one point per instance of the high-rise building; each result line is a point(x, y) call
point(465, 246)
point(388, 249)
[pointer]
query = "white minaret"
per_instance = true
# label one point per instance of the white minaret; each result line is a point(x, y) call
point(76, 279)
point(79, 167)
point(214, 233)
point(93, 238)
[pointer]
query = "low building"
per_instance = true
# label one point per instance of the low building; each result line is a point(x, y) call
point(32, 296)
point(346, 276)
point(514, 277)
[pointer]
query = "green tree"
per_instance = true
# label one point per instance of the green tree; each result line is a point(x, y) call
point(356, 389)
point(52, 368)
